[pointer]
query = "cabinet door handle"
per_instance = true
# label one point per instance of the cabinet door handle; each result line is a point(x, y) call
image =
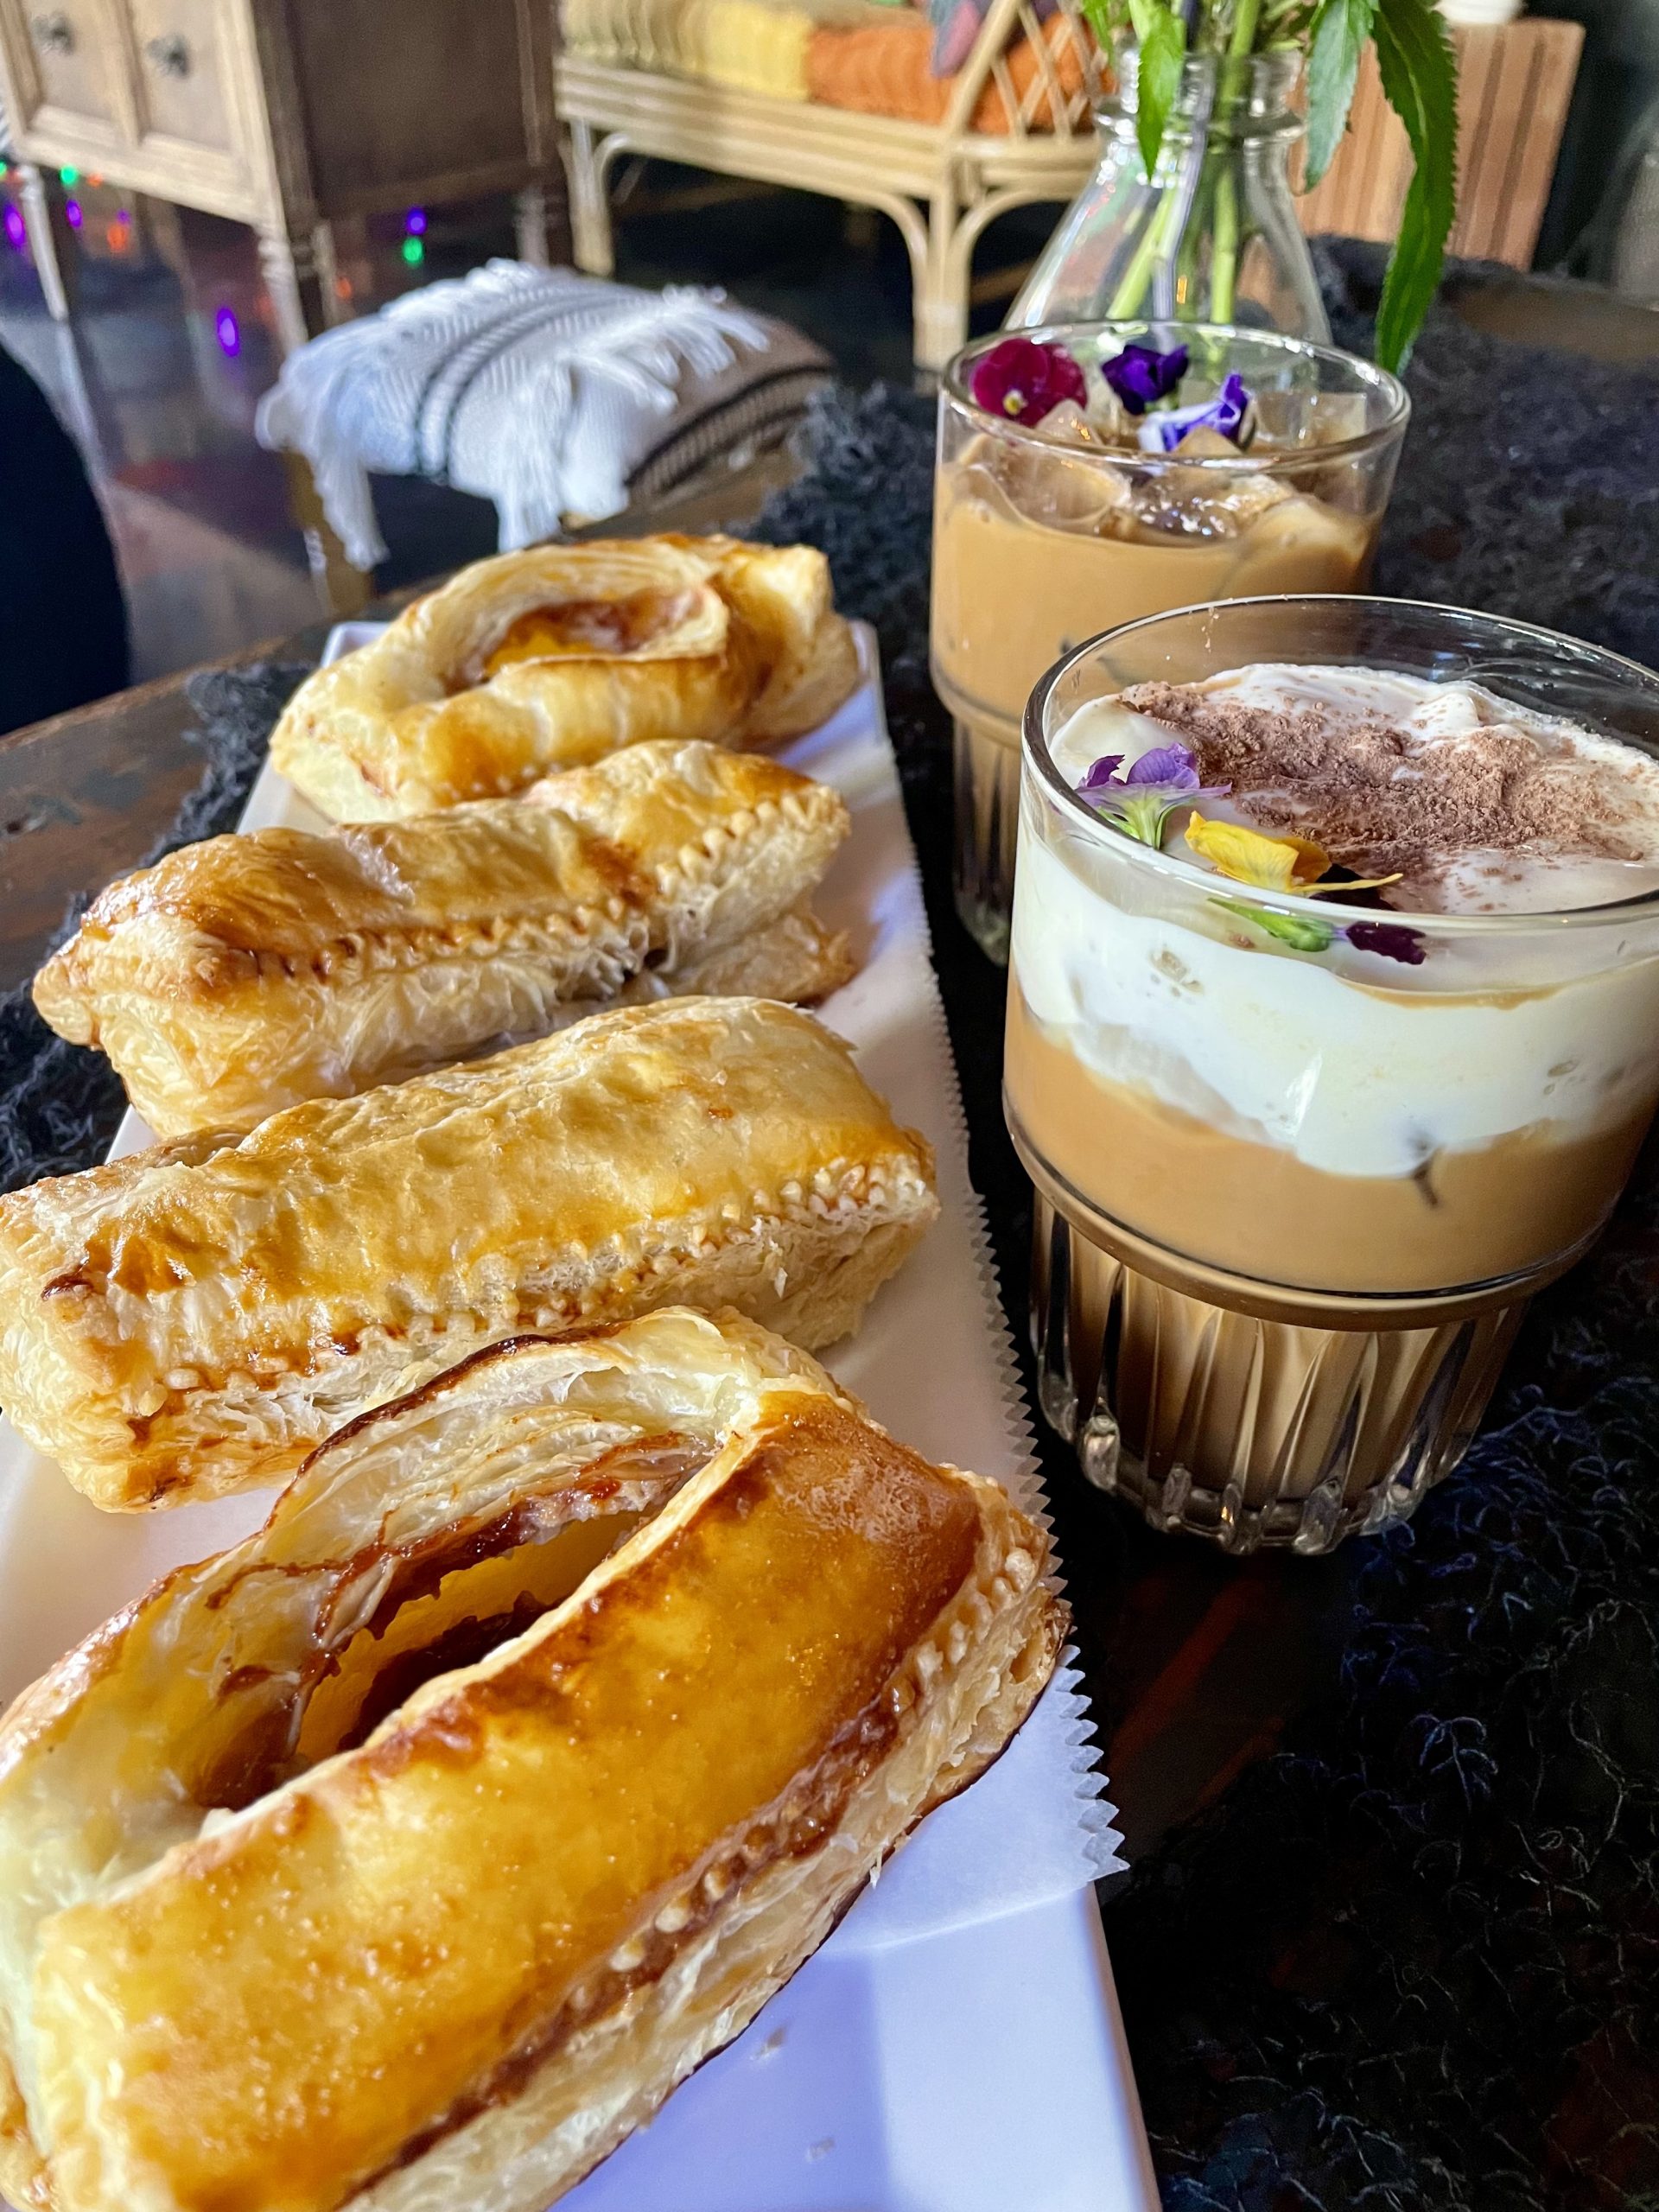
point(53, 34)
point(169, 56)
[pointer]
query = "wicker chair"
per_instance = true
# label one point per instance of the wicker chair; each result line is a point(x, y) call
point(963, 179)
point(1517, 83)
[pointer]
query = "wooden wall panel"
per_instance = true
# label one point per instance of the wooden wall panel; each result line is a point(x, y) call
point(1514, 86)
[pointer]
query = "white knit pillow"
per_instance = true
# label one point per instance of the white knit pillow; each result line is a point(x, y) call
point(538, 389)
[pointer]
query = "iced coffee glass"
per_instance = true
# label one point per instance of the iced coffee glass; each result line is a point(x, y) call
point(1040, 541)
point(1300, 1159)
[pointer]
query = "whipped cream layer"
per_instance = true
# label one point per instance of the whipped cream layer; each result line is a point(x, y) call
point(1483, 806)
point(1281, 1050)
point(1359, 1065)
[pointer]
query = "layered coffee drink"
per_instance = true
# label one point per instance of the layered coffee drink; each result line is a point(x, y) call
point(1333, 1030)
point(1075, 492)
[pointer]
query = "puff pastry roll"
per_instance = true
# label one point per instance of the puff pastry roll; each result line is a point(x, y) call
point(557, 656)
point(194, 1318)
point(409, 1854)
point(248, 973)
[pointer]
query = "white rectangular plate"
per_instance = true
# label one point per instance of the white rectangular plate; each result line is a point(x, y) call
point(956, 2047)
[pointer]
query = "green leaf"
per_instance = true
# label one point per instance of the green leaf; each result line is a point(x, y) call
point(1161, 35)
point(1290, 929)
point(1420, 80)
point(1340, 30)
point(1102, 19)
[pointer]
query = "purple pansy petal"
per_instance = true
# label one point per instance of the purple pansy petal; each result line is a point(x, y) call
point(1225, 412)
point(1233, 402)
point(1101, 772)
point(1023, 380)
point(1140, 374)
point(1163, 778)
point(1388, 938)
point(1140, 803)
point(1174, 765)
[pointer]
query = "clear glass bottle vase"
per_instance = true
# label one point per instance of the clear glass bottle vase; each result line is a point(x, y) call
point(1213, 236)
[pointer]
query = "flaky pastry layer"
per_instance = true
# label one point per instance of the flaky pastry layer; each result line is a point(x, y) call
point(452, 1950)
point(561, 654)
point(248, 973)
point(194, 1318)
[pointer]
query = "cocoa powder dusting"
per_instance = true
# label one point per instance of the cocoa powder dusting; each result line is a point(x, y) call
point(1381, 799)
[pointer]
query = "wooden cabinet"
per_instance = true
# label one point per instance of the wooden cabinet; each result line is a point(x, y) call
point(183, 74)
point(59, 69)
point(284, 114)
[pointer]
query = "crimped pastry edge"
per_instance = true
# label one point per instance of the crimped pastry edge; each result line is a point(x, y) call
point(335, 740)
point(841, 1239)
point(101, 1390)
point(210, 1027)
point(201, 1073)
point(731, 1356)
point(508, 2160)
point(959, 1693)
point(84, 974)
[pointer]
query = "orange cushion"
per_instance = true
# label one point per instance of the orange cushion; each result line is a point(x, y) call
point(881, 69)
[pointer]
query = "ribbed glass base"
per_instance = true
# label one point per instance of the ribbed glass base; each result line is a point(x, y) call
point(1245, 1430)
point(988, 824)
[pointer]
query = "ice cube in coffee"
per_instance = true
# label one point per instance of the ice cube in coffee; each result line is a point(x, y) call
point(1075, 492)
point(1333, 1031)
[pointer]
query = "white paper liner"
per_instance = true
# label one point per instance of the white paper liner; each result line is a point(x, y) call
point(1037, 1825)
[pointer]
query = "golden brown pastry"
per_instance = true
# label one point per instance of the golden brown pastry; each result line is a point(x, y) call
point(557, 656)
point(248, 973)
point(409, 1854)
point(194, 1318)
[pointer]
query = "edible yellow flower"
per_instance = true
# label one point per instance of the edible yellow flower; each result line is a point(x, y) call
point(1286, 863)
point(1273, 863)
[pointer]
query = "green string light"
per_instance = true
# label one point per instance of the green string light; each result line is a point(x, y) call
point(68, 176)
point(414, 252)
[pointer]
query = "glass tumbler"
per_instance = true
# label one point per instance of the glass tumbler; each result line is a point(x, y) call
point(1039, 542)
point(1291, 1203)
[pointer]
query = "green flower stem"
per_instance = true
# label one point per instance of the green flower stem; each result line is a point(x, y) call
point(1131, 286)
point(1243, 41)
point(1186, 261)
point(1290, 929)
point(1231, 95)
point(1224, 260)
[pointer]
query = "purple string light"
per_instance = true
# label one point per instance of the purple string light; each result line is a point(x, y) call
point(228, 332)
point(15, 231)
point(72, 213)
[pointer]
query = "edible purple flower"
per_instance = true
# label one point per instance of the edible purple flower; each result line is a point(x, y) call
point(1306, 934)
point(1390, 940)
point(1140, 374)
point(1176, 765)
point(1225, 412)
point(1140, 802)
point(1100, 773)
point(1025, 380)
